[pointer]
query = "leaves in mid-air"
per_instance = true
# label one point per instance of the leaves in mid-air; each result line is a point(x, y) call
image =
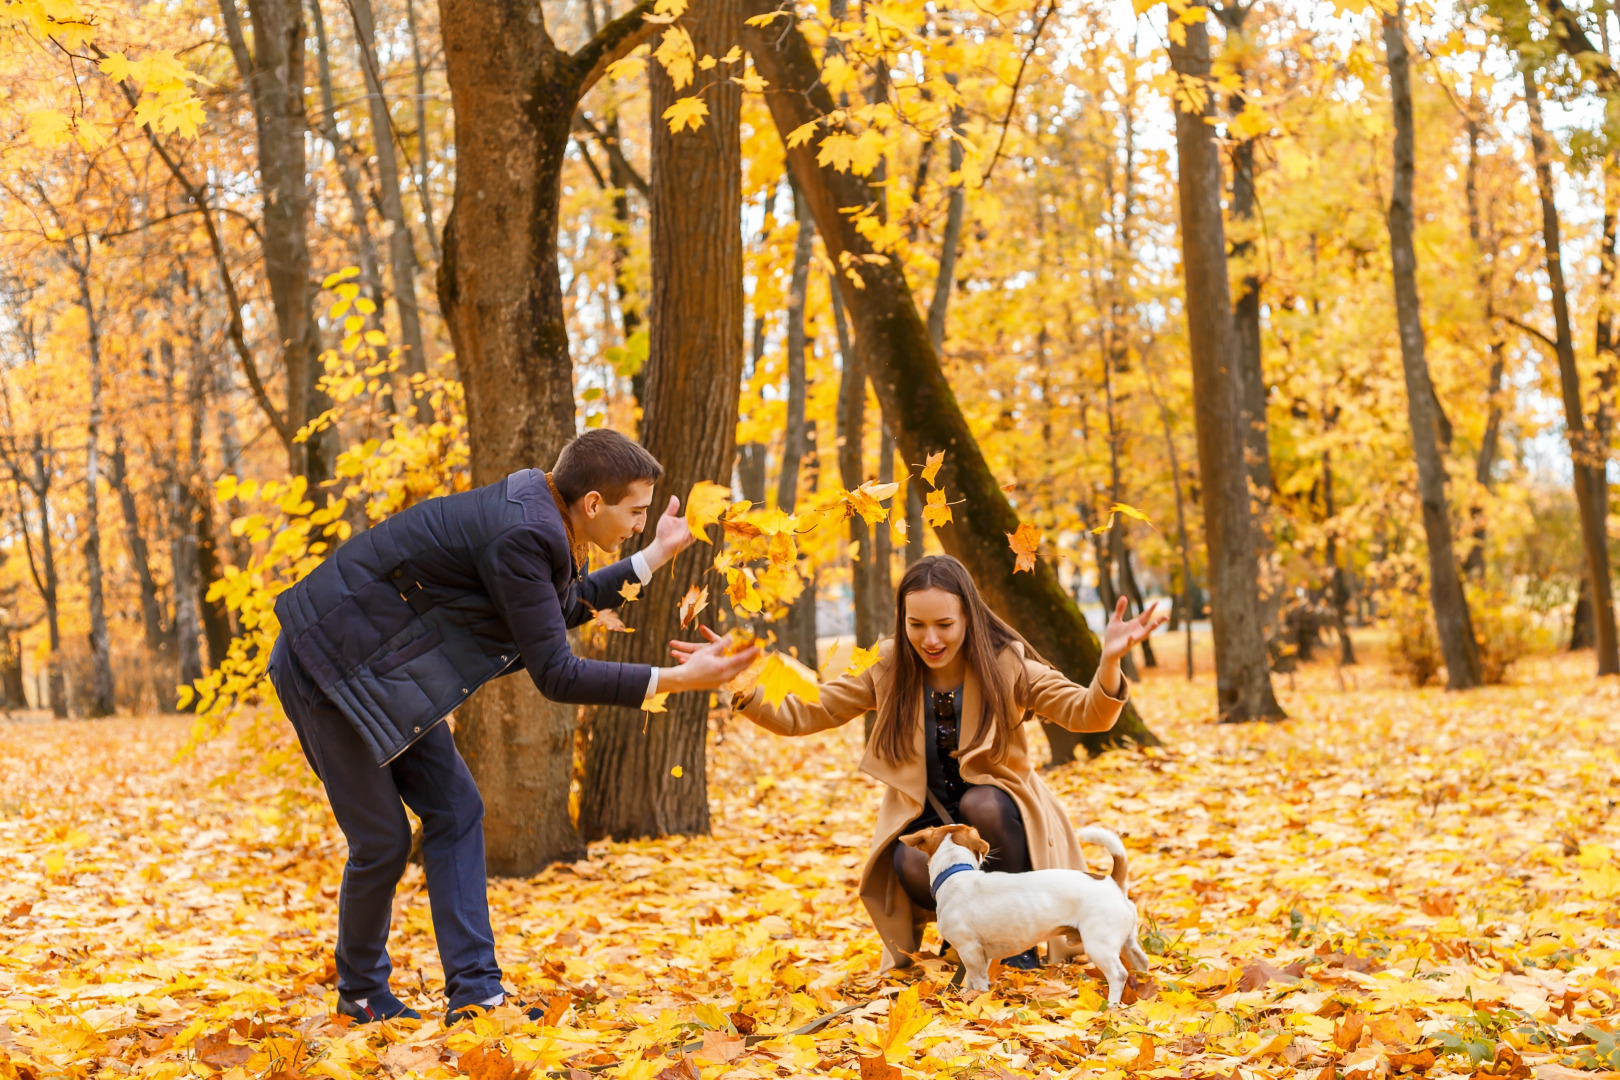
point(1025, 543)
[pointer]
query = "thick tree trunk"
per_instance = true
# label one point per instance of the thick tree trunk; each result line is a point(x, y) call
point(401, 256)
point(1589, 457)
point(1451, 613)
point(365, 249)
point(101, 702)
point(274, 71)
point(514, 94)
point(694, 380)
point(1242, 670)
point(916, 398)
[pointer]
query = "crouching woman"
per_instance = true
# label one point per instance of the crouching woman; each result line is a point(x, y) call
point(952, 690)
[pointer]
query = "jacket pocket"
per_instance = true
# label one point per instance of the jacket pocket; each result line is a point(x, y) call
point(404, 655)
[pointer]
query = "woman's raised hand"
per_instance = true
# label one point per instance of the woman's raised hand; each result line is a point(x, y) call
point(1122, 634)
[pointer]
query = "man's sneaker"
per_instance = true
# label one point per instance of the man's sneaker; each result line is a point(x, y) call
point(381, 1005)
point(456, 1015)
point(1028, 960)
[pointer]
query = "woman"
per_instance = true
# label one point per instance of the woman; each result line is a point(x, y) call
point(952, 690)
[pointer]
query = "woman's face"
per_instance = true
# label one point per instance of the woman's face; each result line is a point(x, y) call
point(935, 626)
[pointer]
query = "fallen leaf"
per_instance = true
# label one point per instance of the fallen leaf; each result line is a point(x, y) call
point(719, 1048)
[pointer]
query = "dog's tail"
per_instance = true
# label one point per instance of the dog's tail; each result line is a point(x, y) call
point(1096, 834)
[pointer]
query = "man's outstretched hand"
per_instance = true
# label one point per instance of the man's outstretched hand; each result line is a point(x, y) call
point(704, 666)
point(671, 536)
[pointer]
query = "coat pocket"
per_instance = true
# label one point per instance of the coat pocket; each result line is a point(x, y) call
point(404, 655)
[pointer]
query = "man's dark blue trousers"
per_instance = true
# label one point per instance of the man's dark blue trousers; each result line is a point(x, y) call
point(368, 801)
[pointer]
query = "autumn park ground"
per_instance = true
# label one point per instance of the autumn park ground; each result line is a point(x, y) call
point(1391, 881)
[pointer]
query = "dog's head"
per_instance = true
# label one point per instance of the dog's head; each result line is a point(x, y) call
point(928, 841)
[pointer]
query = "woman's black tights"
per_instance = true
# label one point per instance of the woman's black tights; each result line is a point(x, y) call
point(989, 810)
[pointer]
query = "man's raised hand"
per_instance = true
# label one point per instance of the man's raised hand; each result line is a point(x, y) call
point(704, 666)
point(671, 536)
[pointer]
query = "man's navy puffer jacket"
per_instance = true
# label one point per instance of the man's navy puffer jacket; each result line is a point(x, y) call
point(408, 618)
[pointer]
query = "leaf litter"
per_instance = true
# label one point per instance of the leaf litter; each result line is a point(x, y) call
point(1393, 882)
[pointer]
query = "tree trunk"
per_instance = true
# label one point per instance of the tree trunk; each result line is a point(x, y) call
point(915, 396)
point(694, 380)
point(798, 633)
point(1242, 670)
point(40, 484)
point(423, 192)
point(1451, 613)
point(274, 71)
point(151, 610)
point(401, 256)
point(365, 249)
point(1182, 546)
point(216, 617)
point(514, 94)
point(101, 701)
point(1588, 456)
point(183, 561)
point(852, 473)
point(1485, 249)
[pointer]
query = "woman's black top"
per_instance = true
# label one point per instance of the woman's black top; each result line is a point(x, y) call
point(942, 736)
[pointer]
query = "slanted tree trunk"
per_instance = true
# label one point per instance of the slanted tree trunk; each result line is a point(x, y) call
point(514, 93)
point(1455, 625)
point(1588, 457)
point(916, 398)
point(1485, 250)
point(140, 555)
point(274, 72)
point(798, 633)
point(1242, 669)
point(343, 155)
point(694, 380)
point(401, 256)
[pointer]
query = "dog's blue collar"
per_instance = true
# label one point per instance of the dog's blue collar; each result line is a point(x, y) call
point(946, 875)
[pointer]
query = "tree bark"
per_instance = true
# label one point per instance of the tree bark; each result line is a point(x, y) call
point(514, 94)
point(401, 256)
point(365, 249)
point(423, 192)
point(798, 628)
point(852, 473)
point(1588, 457)
point(40, 484)
point(905, 371)
point(101, 702)
point(274, 72)
point(157, 635)
point(694, 380)
point(1485, 258)
point(1242, 670)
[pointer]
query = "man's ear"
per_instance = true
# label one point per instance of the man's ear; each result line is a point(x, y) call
point(592, 504)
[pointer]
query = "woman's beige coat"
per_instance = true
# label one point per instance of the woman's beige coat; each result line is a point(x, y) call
point(1038, 689)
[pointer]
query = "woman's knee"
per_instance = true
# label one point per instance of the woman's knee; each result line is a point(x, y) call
point(985, 805)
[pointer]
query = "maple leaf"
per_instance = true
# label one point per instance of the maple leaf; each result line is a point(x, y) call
point(686, 112)
point(655, 704)
point(630, 590)
point(930, 471)
point(906, 1018)
point(695, 600)
point(783, 675)
point(935, 511)
point(608, 619)
point(704, 505)
point(1025, 543)
point(861, 659)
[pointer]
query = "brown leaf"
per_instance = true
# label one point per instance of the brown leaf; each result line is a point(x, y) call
point(608, 619)
point(695, 600)
point(719, 1048)
point(1258, 974)
point(1420, 1060)
point(1396, 1030)
point(216, 1049)
point(744, 1023)
point(1348, 1033)
point(491, 1062)
point(1439, 904)
point(401, 1058)
point(19, 910)
point(1327, 1073)
point(877, 1067)
point(683, 1069)
point(1144, 1056)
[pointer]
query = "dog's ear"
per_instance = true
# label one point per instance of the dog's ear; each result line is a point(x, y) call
point(918, 840)
point(967, 836)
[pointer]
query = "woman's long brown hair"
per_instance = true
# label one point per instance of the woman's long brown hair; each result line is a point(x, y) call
point(899, 719)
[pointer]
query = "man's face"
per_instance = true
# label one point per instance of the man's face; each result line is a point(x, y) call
point(609, 525)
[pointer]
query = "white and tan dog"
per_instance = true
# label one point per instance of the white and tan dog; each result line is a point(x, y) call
point(991, 915)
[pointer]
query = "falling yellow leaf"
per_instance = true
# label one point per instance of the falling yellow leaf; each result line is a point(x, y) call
point(630, 590)
point(695, 600)
point(677, 772)
point(704, 505)
point(935, 511)
point(655, 704)
point(783, 675)
point(686, 112)
point(1025, 542)
point(931, 469)
point(861, 659)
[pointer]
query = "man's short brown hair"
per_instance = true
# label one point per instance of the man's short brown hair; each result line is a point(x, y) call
point(603, 461)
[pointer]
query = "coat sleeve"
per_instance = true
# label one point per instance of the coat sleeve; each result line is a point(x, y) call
point(517, 572)
point(842, 700)
point(1068, 705)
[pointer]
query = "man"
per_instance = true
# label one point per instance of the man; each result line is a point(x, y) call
point(403, 624)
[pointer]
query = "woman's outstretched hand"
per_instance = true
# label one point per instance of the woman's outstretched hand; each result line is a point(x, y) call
point(1122, 634)
point(704, 666)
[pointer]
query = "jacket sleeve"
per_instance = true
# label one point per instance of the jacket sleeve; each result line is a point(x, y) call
point(517, 572)
point(601, 590)
point(1068, 705)
point(842, 700)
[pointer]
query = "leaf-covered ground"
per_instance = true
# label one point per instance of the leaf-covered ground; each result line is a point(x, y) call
point(1392, 881)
